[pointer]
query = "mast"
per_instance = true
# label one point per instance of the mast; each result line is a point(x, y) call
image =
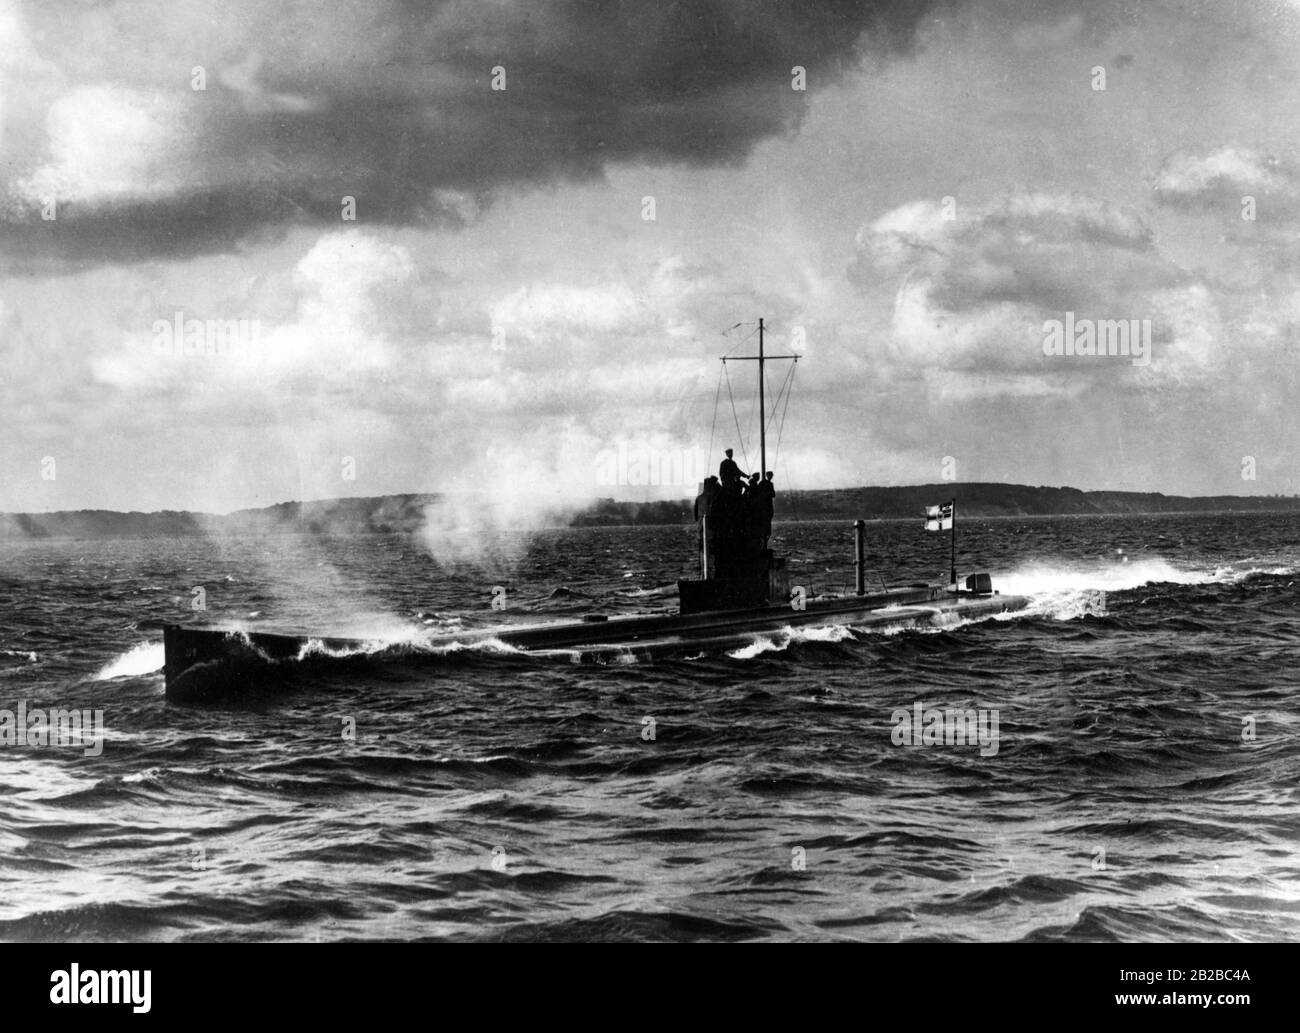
point(762, 416)
point(761, 358)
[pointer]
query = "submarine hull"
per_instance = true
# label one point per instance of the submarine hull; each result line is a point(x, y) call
point(210, 664)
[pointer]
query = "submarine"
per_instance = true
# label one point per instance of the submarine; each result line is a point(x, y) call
point(743, 589)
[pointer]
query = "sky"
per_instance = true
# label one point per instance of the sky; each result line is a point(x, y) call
point(500, 246)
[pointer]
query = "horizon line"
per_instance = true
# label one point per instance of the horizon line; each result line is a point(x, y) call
point(587, 500)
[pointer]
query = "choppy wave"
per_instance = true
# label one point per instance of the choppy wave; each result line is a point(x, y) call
point(1148, 709)
point(778, 641)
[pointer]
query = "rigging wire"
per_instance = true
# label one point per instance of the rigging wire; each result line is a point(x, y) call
point(716, 395)
point(732, 398)
point(743, 339)
point(785, 409)
point(776, 402)
point(794, 506)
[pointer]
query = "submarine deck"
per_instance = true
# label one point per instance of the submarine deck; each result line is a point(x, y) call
point(211, 662)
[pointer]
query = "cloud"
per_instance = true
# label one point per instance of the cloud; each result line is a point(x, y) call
point(536, 310)
point(1250, 199)
point(358, 301)
point(103, 144)
point(376, 353)
point(391, 103)
point(1192, 179)
point(377, 343)
point(978, 283)
point(1008, 233)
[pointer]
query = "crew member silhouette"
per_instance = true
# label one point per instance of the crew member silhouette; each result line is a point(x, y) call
point(704, 507)
point(728, 471)
point(704, 500)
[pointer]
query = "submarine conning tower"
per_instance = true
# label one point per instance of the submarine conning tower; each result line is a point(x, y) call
point(737, 571)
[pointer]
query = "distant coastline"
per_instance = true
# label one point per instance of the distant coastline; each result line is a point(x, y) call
point(396, 514)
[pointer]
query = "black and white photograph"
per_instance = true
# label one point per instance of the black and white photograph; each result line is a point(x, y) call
point(596, 471)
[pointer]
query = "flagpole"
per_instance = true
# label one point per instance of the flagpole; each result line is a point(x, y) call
point(953, 504)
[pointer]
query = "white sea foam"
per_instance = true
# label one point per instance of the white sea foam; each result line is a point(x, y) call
point(639, 593)
point(144, 658)
point(315, 647)
point(415, 639)
point(1037, 579)
point(1067, 592)
point(779, 641)
point(147, 775)
point(479, 645)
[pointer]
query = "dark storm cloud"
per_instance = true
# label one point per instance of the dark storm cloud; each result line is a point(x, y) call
point(396, 109)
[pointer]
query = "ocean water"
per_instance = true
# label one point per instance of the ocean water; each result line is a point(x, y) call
point(1145, 783)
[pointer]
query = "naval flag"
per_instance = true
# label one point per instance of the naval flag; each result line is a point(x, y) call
point(938, 518)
